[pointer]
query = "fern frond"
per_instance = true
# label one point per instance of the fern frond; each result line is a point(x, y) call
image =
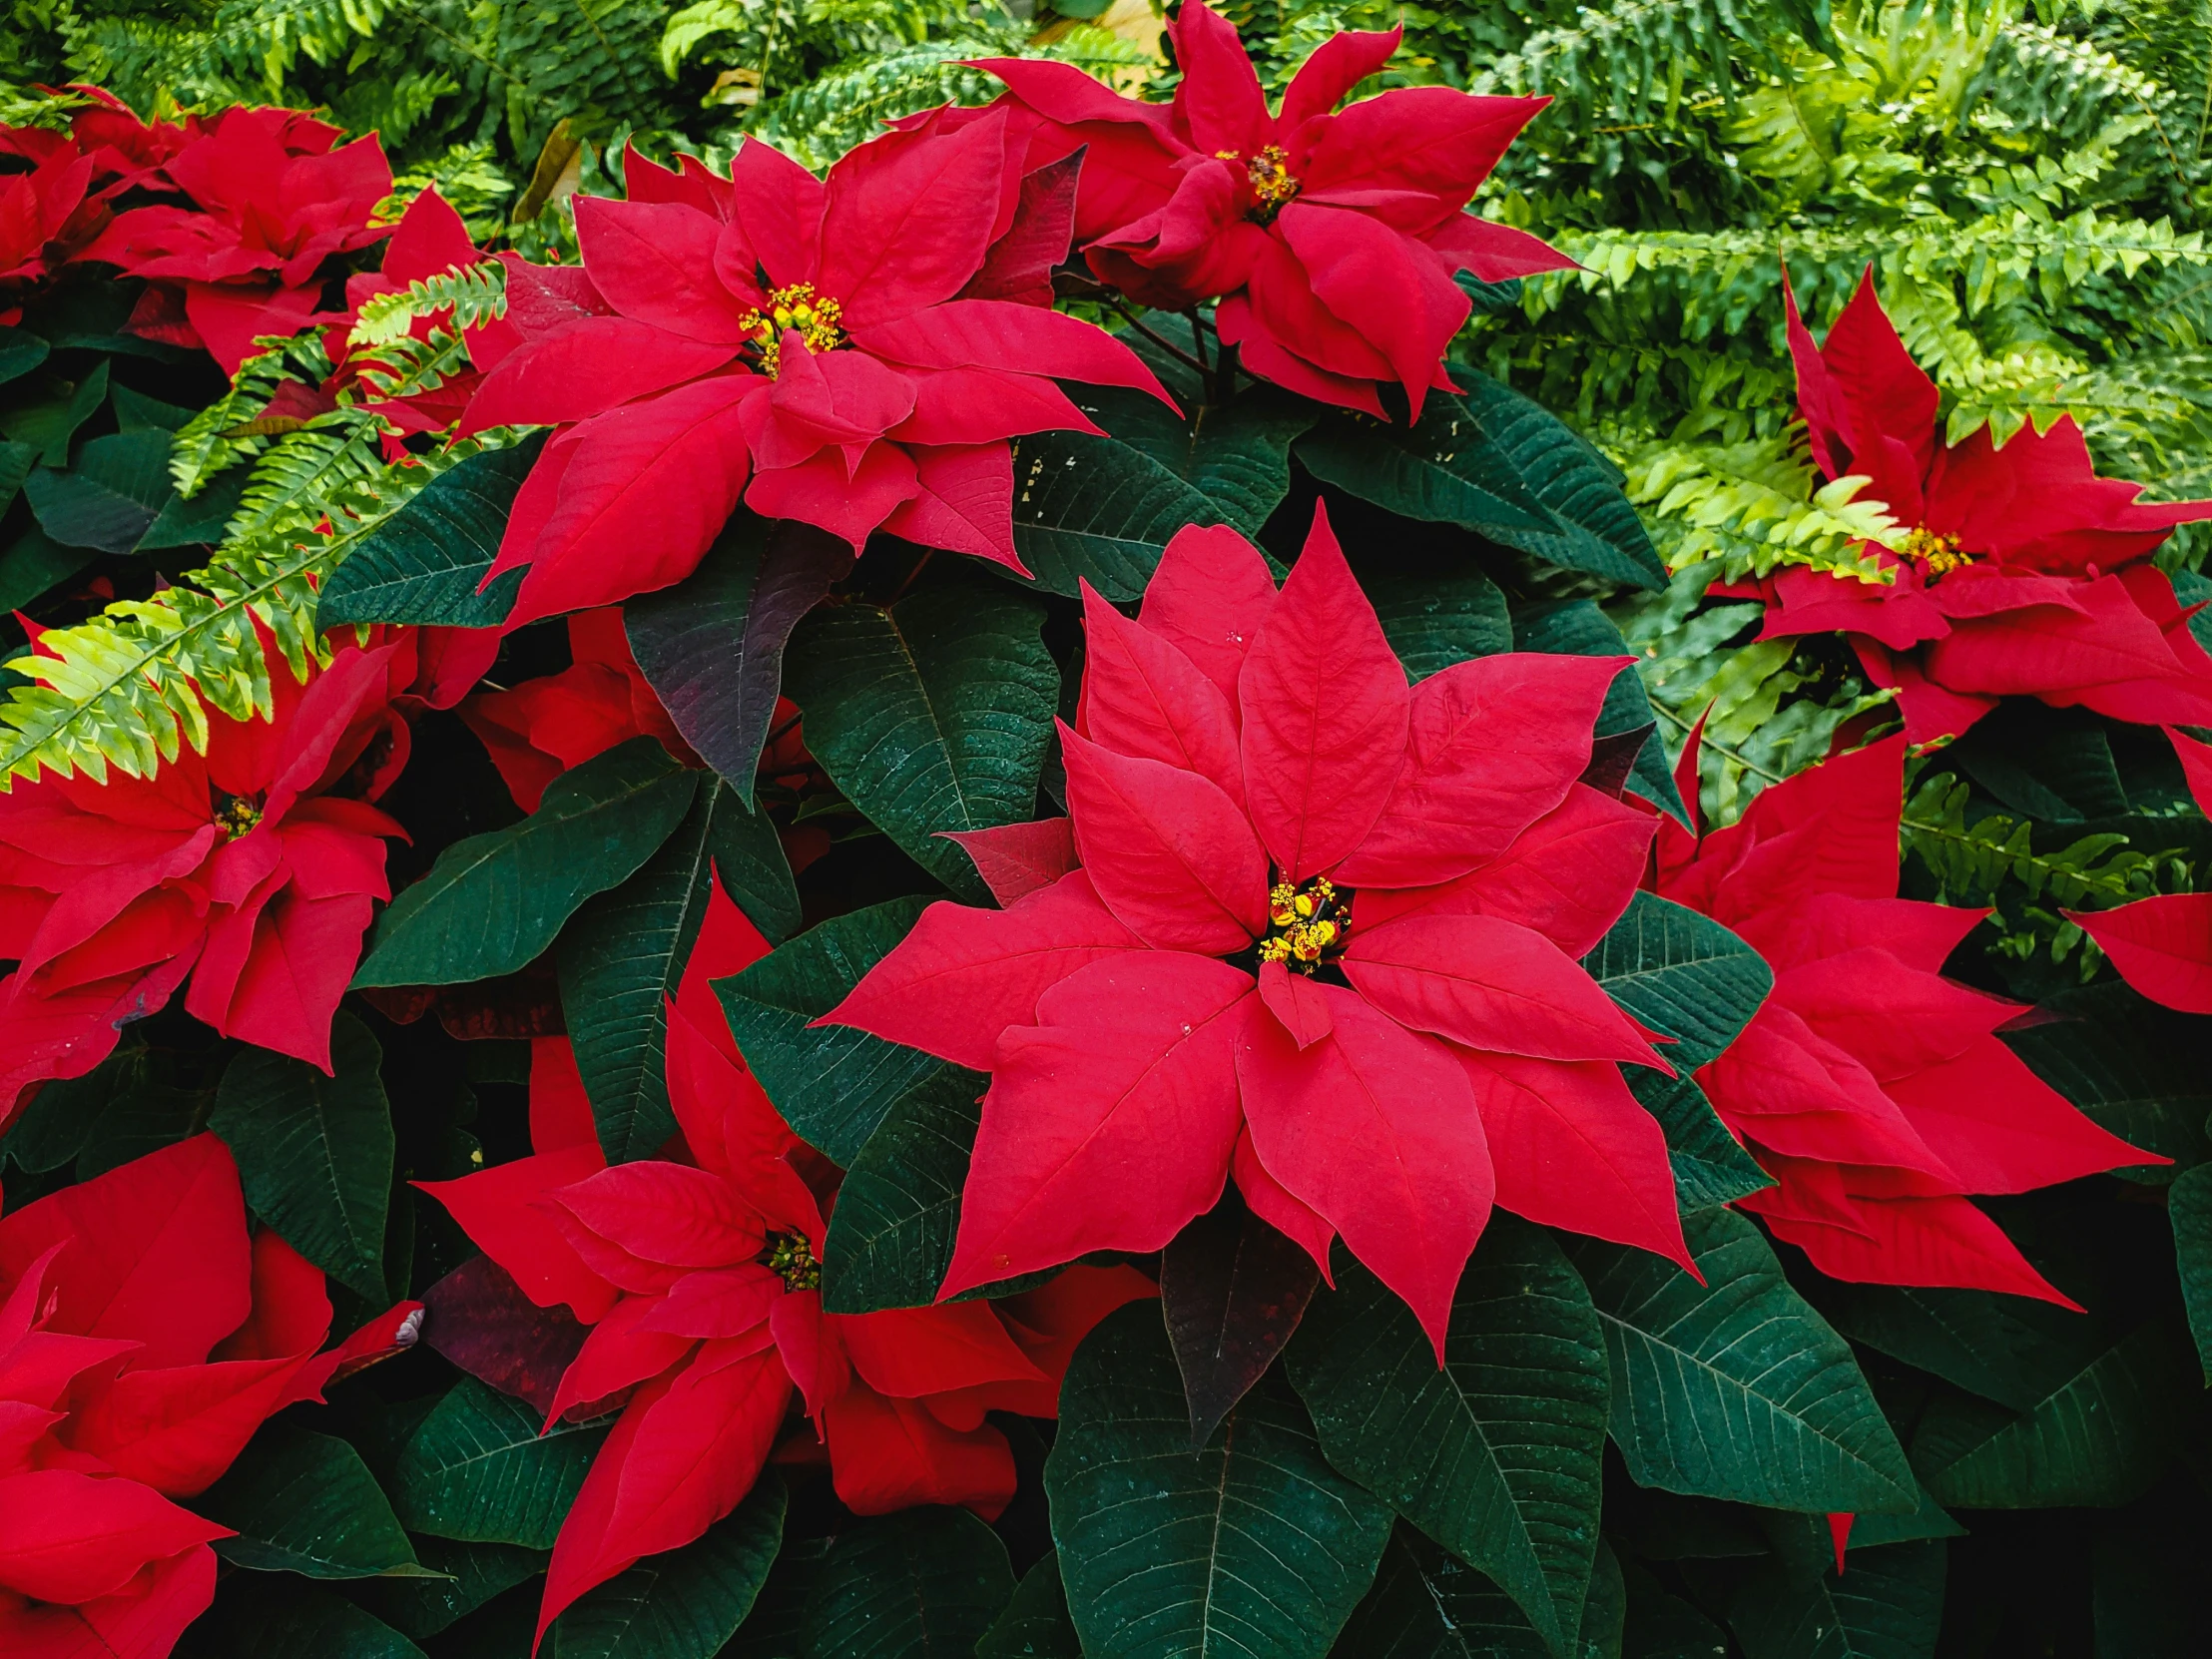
point(1753, 507)
point(232, 428)
point(475, 295)
point(128, 687)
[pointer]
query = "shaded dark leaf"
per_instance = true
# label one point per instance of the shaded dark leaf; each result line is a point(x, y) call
point(1231, 1290)
point(479, 1319)
point(898, 1209)
point(306, 1503)
point(422, 564)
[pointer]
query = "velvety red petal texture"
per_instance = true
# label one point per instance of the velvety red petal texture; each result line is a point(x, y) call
point(963, 975)
point(1325, 708)
point(1376, 1129)
point(1209, 598)
point(1109, 1123)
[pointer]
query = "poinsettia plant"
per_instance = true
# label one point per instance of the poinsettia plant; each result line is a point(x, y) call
point(930, 908)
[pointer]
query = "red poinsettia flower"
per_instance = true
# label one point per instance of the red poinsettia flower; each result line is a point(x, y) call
point(698, 1280)
point(143, 1337)
point(125, 152)
point(2163, 946)
point(250, 868)
point(1324, 936)
point(1872, 1089)
point(1329, 238)
point(2023, 572)
point(35, 211)
point(270, 199)
point(819, 337)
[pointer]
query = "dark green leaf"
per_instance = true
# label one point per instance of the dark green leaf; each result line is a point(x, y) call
point(1736, 1388)
point(1445, 471)
point(2132, 1067)
point(1683, 975)
point(2102, 1436)
point(1252, 1547)
point(1710, 1164)
point(832, 1084)
point(1427, 1604)
point(200, 520)
point(306, 1503)
point(1496, 1455)
point(620, 961)
point(1576, 627)
point(1663, 1626)
point(1099, 510)
point(20, 352)
point(1035, 1624)
point(145, 1115)
point(1231, 1290)
point(2189, 1209)
point(16, 461)
point(51, 1130)
point(932, 715)
point(1238, 456)
point(1435, 611)
point(474, 1574)
point(1888, 1605)
point(711, 646)
point(48, 423)
point(109, 497)
point(492, 903)
point(777, 1626)
point(35, 562)
point(260, 1618)
point(422, 564)
point(756, 873)
point(920, 1584)
point(137, 412)
point(890, 1239)
point(479, 1469)
point(2010, 1349)
point(1597, 530)
point(683, 1604)
point(314, 1153)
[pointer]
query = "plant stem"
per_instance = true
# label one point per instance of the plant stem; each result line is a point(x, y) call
point(1176, 352)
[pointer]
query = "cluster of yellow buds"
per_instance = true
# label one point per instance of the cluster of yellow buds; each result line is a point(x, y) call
point(235, 815)
point(1939, 554)
point(820, 321)
point(1269, 172)
point(1306, 929)
point(790, 1258)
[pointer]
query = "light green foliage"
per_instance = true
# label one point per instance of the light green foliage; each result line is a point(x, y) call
point(1975, 861)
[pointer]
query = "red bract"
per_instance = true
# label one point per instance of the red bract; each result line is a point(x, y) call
point(2022, 573)
point(1403, 880)
point(2163, 946)
point(270, 199)
point(538, 730)
point(819, 337)
point(698, 1280)
point(1329, 238)
point(1872, 1089)
point(36, 209)
point(143, 1337)
point(250, 868)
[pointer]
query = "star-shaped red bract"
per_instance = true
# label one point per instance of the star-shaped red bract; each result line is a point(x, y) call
point(1329, 238)
point(2024, 573)
point(1874, 1091)
point(1324, 934)
point(699, 1277)
point(822, 339)
point(2163, 945)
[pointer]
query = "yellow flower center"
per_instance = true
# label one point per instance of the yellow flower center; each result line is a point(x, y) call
point(1938, 555)
point(791, 1259)
point(235, 815)
point(818, 319)
point(1268, 173)
point(1309, 924)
